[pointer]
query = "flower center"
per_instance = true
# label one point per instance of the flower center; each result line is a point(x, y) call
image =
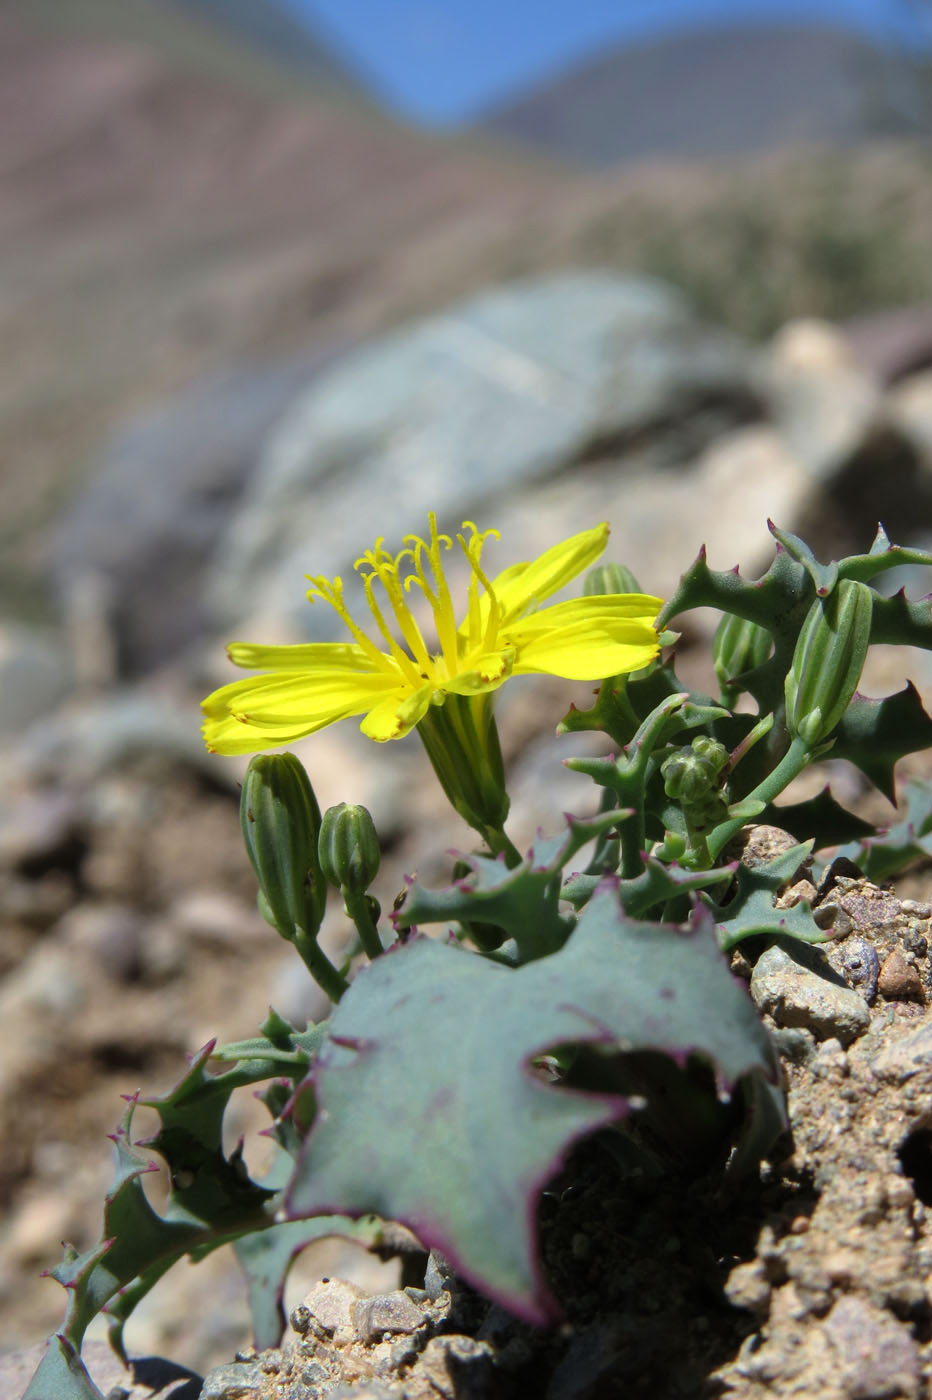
point(420, 564)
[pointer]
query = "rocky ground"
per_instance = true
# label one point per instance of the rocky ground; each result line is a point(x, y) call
point(133, 939)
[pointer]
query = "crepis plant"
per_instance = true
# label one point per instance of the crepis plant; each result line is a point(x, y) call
point(570, 998)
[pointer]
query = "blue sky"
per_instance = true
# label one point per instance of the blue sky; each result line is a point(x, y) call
point(439, 61)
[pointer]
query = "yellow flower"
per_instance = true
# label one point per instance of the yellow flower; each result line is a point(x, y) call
point(504, 633)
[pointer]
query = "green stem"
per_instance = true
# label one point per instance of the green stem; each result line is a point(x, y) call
point(500, 844)
point(697, 855)
point(797, 757)
point(633, 841)
point(319, 965)
point(357, 907)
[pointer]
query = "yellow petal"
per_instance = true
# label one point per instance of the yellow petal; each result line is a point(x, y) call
point(604, 609)
point(522, 587)
point(306, 656)
point(588, 651)
point(485, 672)
point(263, 712)
point(395, 716)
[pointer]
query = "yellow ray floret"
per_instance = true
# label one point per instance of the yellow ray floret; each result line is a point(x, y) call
point(503, 632)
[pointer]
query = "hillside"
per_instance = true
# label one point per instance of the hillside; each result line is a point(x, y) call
point(712, 92)
point(271, 30)
point(160, 217)
point(169, 208)
point(257, 45)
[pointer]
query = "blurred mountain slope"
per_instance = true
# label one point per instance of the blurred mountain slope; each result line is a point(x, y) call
point(720, 91)
point(166, 216)
point(256, 44)
point(159, 220)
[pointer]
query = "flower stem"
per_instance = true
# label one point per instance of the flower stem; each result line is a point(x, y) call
point(797, 757)
point(356, 905)
point(500, 844)
point(319, 965)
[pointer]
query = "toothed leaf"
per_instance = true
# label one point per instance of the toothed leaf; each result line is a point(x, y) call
point(820, 818)
point(524, 902)
point(898, 622)
point(751, 909)
point(875, 734)
point(432, 1113)
point(907, 839)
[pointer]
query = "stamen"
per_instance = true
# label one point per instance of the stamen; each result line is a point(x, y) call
point(442, 603)
point(332, 592)
point(386, 569)
point(473, 552)
point(401, 659)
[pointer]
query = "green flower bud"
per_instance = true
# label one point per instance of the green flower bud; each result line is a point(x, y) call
point(349, 847)
point(828, 661)
point(689, 777)
point(711, 752)
point(609, 578)
point(281, 820)
point(739, 646)
point(692, 778)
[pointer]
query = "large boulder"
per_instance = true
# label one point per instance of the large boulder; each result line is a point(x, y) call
point(138, 536)
point(36, 672)
point(461, 410)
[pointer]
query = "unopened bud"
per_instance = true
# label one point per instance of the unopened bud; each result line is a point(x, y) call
point(692, 777)
point(739, 646)
point(828, 661)
point(609, 578)
point(349, 847)
point(281, 820)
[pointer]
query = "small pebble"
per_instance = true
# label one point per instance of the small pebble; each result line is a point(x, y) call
point(877, 1357)
point(899, 980)
point(385, 1313)
point(331, 1302)
point(749, 1287)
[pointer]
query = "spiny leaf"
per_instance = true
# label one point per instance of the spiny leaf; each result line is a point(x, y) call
point(824, 576)
point(61, 1375)
point(881, 557)
point(212, 1201)
point(819, 818)
point(905, 840)
point(898, 622)
point(875, 734)
point(431, 1110)
point(523, 901)
point(657, 883)
point(751, 909)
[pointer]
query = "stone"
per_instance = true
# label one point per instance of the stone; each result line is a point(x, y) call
point(909, 405)
point(240, 1380)
point(37, 828)
point(385, 1312)
point(905, 1055)
point(36, 673)
point(797, 995)
point(332, 1302)
point(856, 960)
point(110, 935)
point(456, 411)
point(82, 742)
point(167, 485)
point(458, 1367)
point(749, 1287)
point(666, 499)
point(899, 980)
point(821, 402)
point(877, 1356)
